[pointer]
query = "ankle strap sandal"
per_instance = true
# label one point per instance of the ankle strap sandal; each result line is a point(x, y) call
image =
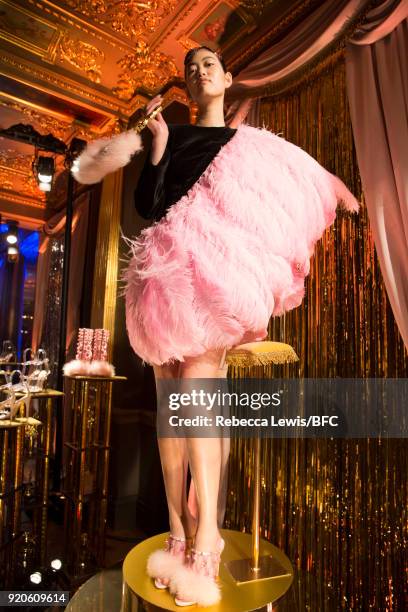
point(162, 564)
point(196, 582)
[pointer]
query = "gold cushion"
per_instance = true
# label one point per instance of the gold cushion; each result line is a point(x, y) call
point(261, 353)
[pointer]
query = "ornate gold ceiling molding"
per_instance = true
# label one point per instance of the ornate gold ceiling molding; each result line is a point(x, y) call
point(28, 31)
point(175, 94)
point(6, 98)
point(81, 55)
point(18, 162)
point(256, 6)
point(131, 19)
point(181, 15)
point(75, 21)
point(14, 164)
point(63, 84)
point(28, 188)
point(42, 121)
point(143, 68)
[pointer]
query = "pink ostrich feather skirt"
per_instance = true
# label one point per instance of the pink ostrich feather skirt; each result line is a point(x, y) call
point(232, 252)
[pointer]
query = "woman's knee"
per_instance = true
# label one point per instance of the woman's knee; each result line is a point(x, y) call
point(207, 365)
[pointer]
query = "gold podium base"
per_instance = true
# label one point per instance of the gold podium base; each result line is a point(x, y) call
point(139, 592)
point(242, 571)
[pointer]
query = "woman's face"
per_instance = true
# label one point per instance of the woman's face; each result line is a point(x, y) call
point(205, 77)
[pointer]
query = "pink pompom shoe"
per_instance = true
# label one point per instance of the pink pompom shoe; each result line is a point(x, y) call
point(196, 581)
point(163, 564)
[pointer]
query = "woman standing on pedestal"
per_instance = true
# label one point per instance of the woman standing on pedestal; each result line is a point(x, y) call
point(236, 214)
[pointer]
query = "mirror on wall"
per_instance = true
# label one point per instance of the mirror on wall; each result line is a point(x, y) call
point(18, 264)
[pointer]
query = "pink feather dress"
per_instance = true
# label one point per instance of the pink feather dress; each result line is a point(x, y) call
point(232, 252)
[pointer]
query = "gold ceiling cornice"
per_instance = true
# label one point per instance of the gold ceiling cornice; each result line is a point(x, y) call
point(105, 103)
point(184, 12)
point(8, 101)
point(83, 24)
point(86, 18)
point(41, 119)
point(18, 198)
point(28, 44)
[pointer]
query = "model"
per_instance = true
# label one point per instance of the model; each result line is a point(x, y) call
point(236, 214)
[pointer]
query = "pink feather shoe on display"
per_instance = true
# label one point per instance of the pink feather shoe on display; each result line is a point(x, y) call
point(162, 564)
point(196, 581)
point(99, 365)
point(91, 355)
point(80, 365)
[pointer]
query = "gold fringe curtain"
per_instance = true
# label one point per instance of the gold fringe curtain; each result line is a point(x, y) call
point(337, 507)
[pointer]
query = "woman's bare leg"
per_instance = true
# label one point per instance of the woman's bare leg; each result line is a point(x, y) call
point(205, 457)
point(223, 488)
point(174, 462)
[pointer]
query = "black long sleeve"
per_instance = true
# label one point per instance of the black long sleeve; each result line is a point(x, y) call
point(150, 197)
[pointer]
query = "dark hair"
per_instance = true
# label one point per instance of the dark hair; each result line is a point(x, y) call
point(191, 53)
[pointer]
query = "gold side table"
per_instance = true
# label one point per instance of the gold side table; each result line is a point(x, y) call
point(87, 464)
point(12, 434)
point(47, 411)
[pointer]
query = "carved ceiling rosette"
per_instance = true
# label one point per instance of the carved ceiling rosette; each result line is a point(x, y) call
point(82, 55)
point(143, 68)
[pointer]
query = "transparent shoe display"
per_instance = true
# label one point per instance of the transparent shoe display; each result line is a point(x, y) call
point(8, 353)
point(17, 393)
point(34, 372)
point(35, 369)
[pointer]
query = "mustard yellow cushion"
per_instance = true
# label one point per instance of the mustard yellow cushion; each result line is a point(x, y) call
point(261, 353)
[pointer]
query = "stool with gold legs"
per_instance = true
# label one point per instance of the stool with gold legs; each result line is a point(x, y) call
point(254, 573)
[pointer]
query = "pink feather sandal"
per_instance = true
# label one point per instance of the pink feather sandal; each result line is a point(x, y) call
point(161, 564)
point(196, 581)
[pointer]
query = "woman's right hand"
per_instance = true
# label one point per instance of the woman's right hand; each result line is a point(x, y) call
point(159, 129)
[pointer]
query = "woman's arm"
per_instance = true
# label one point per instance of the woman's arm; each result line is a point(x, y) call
point(149, 195)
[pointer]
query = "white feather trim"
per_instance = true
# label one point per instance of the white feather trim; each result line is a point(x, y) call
point(101, 368)
point(188, 585)
point(105, 155)
point(76, 367)
point(162, 564)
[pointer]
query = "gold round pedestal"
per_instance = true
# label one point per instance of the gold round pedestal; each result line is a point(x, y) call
point(139, 592)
